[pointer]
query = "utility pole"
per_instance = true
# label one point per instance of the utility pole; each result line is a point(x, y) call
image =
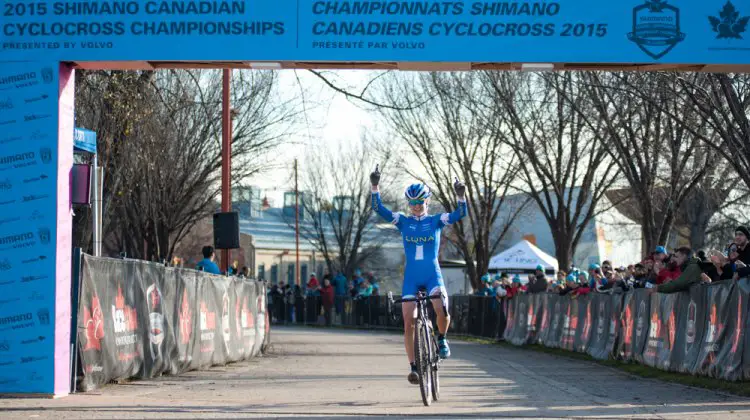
point(296, 222)
point(226, 157)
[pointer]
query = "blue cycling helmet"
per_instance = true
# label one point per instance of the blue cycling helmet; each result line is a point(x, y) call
point(486, 278)
point(417, 192)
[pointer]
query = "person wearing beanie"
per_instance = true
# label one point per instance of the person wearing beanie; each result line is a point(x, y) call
point(571, 283)
point(538, 282)
point(741, 238)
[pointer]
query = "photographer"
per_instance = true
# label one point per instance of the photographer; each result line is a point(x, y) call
point(691, 269)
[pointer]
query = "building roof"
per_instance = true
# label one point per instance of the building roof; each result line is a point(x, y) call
point(272, 230)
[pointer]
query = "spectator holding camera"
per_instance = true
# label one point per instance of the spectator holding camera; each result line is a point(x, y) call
point(691, 270)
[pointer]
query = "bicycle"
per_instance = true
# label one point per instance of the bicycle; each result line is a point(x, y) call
point(426, 355)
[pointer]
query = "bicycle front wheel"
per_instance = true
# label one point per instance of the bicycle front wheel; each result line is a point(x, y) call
point(422, 357)
point(434, 376)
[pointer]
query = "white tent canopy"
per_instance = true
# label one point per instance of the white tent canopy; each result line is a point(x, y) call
point(523, 256)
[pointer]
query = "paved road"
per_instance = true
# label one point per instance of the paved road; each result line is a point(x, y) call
point(348, 374)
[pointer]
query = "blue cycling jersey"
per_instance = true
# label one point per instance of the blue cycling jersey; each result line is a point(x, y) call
point(421, 237)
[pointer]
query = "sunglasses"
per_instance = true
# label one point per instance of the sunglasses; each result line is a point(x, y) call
point(415, 202)
point(732, 248)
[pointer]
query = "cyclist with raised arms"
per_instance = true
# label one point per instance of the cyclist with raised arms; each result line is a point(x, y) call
point(421, 235)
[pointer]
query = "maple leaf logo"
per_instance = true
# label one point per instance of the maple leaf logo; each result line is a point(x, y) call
point(729, 24)
point(94, 321)
point(656, 5)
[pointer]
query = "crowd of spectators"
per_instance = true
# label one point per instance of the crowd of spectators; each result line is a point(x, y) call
point(290, 302)
point(661, 272)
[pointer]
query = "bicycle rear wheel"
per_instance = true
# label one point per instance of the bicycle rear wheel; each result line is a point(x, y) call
point(422, 359)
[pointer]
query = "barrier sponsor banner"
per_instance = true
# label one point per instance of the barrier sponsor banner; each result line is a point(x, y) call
point(634, 321)
point(602, 323)
point(720, 354)
point(577, 31)
point(662, 330)
point(743, 288)
point(141, 319)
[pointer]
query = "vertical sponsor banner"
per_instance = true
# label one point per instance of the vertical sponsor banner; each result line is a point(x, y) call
point(91, 330)
point(615, 324)
point(691, 323)
point(743, 288)
point(641, 322)
point(523, 313)
point(627, 327)
point(125, 294)
point(35, 227)
point(570, 324)
point(662, 330)
point(171, 289)
point(545, 318)
point(186, 315)
point(585, 320)
point(255, 294)
point(155, 320)
point(510, 326)
point(536, 314)
point(720, 354)
point(558, 309)
point(208, 325)
point(601, 308)
point(223, 332)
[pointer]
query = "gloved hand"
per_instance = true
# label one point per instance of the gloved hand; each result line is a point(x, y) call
point(375, 177)
point(459, 188)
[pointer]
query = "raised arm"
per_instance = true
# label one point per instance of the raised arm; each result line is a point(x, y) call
point(460, 211)
point(377, 203)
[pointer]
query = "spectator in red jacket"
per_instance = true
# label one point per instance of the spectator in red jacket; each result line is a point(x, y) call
point(327, 295)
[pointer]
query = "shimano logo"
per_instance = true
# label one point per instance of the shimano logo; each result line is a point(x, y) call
point(19, 157)
point(18, 78)
point(14, 319)
point(14, 239)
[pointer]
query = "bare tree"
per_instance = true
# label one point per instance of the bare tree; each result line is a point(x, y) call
point(722, 102)
point(652, 149)
point(444, 138)
point(565, 167)
point(163, 175)
point(338, 218)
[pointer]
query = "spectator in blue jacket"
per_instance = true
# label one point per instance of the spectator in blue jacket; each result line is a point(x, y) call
point(207, 264)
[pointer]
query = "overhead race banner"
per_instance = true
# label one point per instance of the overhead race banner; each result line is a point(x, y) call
point(585, 31)
point(139, 320)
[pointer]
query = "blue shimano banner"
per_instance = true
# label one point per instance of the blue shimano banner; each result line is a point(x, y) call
point(572, 31)
point(84, 140)
point(28, 214)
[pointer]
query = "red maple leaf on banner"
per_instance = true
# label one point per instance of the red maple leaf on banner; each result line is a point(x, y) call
point(93, 320)
point(186, 319)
